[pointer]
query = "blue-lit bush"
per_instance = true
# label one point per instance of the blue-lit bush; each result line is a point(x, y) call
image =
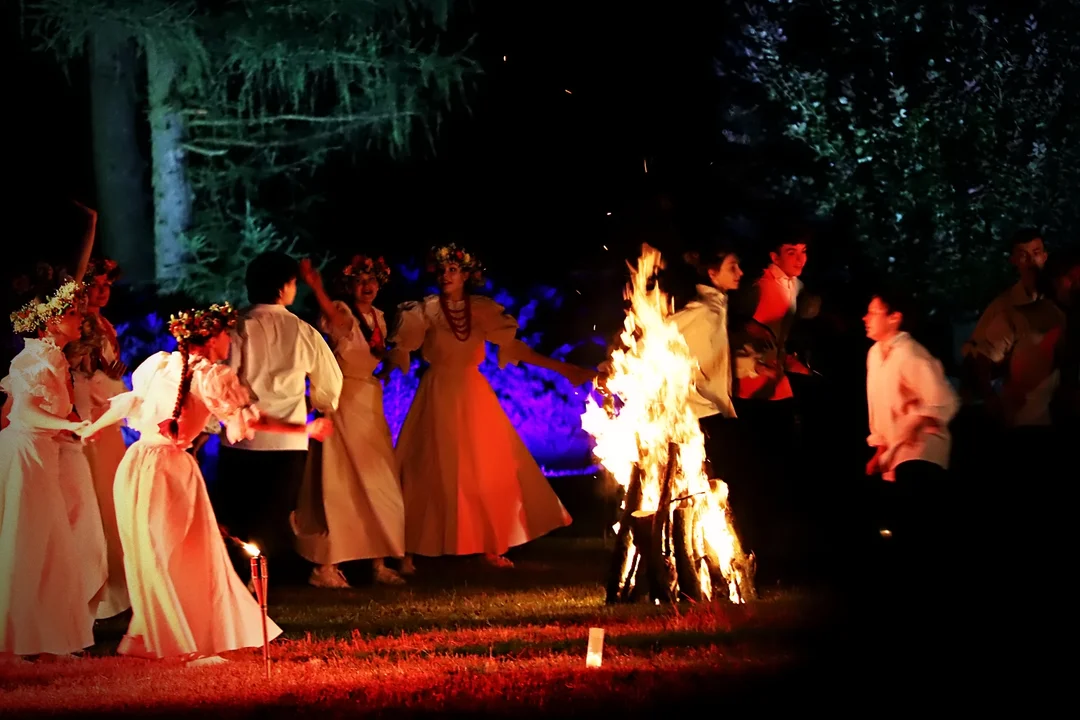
point(543, 407)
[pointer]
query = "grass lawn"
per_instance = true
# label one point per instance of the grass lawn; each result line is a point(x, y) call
point(460, 638)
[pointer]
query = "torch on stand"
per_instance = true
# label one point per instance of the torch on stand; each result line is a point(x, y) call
point(259, 578)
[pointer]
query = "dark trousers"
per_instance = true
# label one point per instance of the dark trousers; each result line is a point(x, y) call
point(767, 485)
point(254, 495)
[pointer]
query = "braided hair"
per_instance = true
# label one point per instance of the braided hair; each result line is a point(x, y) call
point(193, 329)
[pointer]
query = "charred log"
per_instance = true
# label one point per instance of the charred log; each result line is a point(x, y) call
point(624, 561)
point(686, 565)
point(662, 572)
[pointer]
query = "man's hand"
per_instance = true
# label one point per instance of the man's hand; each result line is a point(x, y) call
point(320, 428)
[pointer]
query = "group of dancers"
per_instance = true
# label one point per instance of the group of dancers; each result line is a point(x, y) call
point(89, 528)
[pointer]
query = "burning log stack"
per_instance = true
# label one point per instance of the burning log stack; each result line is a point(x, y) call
point(666, 556)
point(675, 538)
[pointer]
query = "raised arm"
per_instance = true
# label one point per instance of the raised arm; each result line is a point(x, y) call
point(87, 246)
point(310, 275)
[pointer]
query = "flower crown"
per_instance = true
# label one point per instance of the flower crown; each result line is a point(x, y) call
point(202, 323)
point(452, 254)
point(364, 265)
point(103, 266)
point(36, 314)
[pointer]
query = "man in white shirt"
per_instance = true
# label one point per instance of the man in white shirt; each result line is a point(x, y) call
point(275, 353)
point(910, 405)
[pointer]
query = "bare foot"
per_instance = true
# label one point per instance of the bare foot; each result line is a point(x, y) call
point(498, 561)
point(211, 660)
point(386, 576)
point(407, 567)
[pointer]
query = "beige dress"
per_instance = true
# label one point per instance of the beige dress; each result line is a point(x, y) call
point(93, 389)
point(45, 583)
point(350, 505)
point(470, 484)
point(186, 598)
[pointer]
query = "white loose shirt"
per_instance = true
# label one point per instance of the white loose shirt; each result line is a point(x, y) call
point(274, 352)
point(905, 383)
point(703, 323)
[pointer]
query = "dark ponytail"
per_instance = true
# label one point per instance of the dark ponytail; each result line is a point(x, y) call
point(171, 428)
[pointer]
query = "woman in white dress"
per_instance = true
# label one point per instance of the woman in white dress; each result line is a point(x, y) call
point(470, 484)
point(45, 589)
point(97, 371)
point(350, 505)
point(187, 600)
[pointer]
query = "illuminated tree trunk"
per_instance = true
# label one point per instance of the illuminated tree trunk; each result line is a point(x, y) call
point(172, 193)
point(119, 167)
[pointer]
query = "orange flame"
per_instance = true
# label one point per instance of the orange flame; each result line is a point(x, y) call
point(653, 378)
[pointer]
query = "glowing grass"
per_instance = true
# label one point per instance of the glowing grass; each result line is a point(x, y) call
point(462, 637)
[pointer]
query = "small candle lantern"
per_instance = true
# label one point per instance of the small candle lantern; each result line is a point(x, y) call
point(595, 656)
point(259, 578)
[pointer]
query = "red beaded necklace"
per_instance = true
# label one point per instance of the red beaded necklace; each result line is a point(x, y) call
point(460, 321)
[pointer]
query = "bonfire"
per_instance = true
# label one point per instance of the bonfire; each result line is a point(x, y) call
point(676, 536)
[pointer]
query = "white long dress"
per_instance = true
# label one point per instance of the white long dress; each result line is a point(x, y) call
point(470, 484)
point(93, 389)
point(350, 505)
point(185, 596)
point(45, 588)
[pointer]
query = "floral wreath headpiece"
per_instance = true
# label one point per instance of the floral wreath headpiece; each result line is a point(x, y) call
point(36, 313)
point(452, 254)
point(364, 265)
point(202, 323)
point(106, 267)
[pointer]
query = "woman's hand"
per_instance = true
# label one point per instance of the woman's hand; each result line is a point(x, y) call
point(578, 375)
point(84, 430)
point(309, 274)
point(114, 370)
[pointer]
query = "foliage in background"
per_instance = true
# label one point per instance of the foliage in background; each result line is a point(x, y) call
point(266, 91)
point(937, 129)
point(218, 257)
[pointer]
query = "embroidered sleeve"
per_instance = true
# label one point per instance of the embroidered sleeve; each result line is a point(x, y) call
point(408, 335)
point(499, 328)
point(219, 387)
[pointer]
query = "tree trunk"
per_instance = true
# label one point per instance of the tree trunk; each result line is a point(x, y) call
point(124, 229)
point(172, 194)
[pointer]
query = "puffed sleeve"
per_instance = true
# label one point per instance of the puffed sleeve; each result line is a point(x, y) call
point(219, 387)
point(408, 335)
point(39, 372)
point(128, 403)
point(339, 326)
point(499, 328)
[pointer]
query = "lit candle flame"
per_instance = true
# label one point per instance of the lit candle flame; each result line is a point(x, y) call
point(252, 550)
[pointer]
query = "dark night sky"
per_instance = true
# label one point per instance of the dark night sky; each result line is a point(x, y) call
point(531, 164)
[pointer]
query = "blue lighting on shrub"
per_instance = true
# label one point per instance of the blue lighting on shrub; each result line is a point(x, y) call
point(542, 406)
